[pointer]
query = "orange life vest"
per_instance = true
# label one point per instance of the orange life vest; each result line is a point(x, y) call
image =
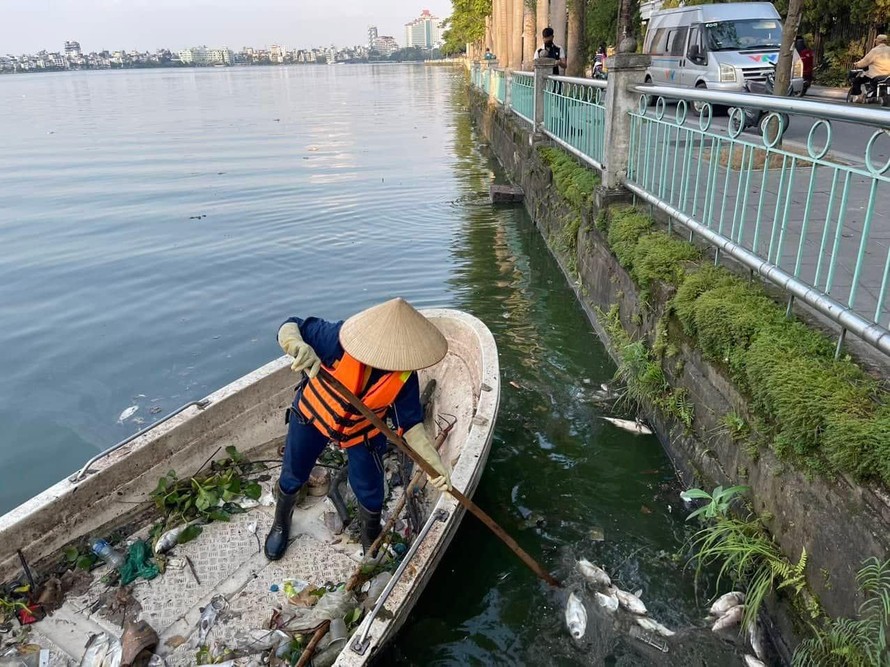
point(332, 414)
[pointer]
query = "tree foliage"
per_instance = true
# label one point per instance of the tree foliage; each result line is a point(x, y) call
point(466, 25)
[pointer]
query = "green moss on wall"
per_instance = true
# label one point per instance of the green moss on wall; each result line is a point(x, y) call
point(827, 414)
point(575, 183)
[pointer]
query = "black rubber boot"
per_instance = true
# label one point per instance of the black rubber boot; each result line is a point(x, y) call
point(370, 527)
point(279, 533)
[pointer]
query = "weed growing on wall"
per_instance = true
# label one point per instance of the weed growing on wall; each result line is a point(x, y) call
point(827, 414)
point(575, 183)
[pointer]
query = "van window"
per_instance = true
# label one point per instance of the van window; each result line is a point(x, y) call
point(677, 41)
point(745, 34)
point(659, 41)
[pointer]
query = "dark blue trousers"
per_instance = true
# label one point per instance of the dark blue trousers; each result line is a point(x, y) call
point(305, 443)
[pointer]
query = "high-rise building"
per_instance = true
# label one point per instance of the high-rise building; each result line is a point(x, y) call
point(72, 48)
point(385, 45)
point(276, 53)
point(372, 35)
point(424, 31)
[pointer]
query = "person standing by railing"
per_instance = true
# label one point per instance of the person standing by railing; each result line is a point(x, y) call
point(551, 50)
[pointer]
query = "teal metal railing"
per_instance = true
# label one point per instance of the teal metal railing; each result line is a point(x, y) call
point(522, 95)
point(807, 220)
point(486, 80)
point(575, 116)
point(499, 84)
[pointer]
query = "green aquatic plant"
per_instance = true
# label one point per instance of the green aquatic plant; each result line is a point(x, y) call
point(210, 497)
point(862, 642)
point(719, 501)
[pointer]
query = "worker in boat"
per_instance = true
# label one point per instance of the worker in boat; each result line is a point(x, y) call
point(374, 354)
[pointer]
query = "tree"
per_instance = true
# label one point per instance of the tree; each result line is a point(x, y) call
point(466, 25)
point(529, 35)
point(602, 23)
point(543, 18)
point(786, 52)
point(558, 22)
point(516, 30)
point(576, 47)
point(501, 20)
point(626, 21)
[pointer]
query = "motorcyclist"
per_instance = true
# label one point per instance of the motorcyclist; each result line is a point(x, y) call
point(806, 58)
point(876, 65)
point(599, 61)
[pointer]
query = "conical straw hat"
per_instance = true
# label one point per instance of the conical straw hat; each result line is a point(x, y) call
point(392, 336)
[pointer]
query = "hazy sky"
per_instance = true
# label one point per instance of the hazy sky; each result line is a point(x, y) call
point(30, 25)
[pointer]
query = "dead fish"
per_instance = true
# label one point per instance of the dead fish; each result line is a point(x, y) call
point(126, 414)
point(755, 638)
point(593, 574)
point(170, 539)
point(103, 650)
point(726, 602)
point(729, 619)
point(576, 617)
point(751, 661)
point(654, 626)
point(635, 426)
point(208, 617)
point(629, 601)
point(607, 602)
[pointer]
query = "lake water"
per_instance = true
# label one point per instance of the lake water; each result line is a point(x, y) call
point(157, 226)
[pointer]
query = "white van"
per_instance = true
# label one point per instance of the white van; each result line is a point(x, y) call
point(716, 46)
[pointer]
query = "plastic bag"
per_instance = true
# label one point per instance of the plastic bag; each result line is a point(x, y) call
point(335, 604)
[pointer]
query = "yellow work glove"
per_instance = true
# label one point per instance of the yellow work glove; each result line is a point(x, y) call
point(292, 343)
point(420, 442)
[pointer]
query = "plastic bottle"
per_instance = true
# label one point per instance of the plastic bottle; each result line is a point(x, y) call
point(106, 552)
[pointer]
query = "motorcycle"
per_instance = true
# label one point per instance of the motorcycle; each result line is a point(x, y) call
point(750, 117)
point(874, 91)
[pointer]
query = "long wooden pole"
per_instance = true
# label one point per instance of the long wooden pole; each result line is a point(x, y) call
point(474, 509)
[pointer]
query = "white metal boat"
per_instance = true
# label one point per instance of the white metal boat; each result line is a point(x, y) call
point(113, 493)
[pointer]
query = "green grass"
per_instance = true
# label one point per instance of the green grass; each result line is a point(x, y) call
point(574, 182)
point(828, 415)
point(649, 255)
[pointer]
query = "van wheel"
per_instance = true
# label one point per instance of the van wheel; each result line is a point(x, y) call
point(650, 100)
point(716, 109)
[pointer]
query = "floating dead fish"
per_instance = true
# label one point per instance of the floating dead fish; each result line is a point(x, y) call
point(126, 414)
point(629, 601)
point(633, 426)
point(607, 602)
point(726, 602)
point(730, 619)
point(170, 539)
point(576, 617)
point(593, 574)
point(208, 617)
point(751, 661)
point(755, 638)
point(654, 626)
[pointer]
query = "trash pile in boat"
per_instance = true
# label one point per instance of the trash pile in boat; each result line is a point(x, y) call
point(310, 619)
point(629, 613)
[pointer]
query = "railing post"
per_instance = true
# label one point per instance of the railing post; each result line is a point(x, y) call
point(508, 90)
point(543, 69)
point(625, 70)
point(492, 87)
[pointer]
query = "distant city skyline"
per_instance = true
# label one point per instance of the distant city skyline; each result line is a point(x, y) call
point(30, 26)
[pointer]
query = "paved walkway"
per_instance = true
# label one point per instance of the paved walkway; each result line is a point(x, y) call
point(768, 213)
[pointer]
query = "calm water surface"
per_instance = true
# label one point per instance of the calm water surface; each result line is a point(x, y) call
point(157, 226)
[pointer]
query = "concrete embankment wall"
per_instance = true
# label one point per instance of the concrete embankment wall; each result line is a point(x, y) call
point(839, 522)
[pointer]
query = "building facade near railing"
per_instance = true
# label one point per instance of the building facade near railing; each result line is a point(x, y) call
point(811, 223)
